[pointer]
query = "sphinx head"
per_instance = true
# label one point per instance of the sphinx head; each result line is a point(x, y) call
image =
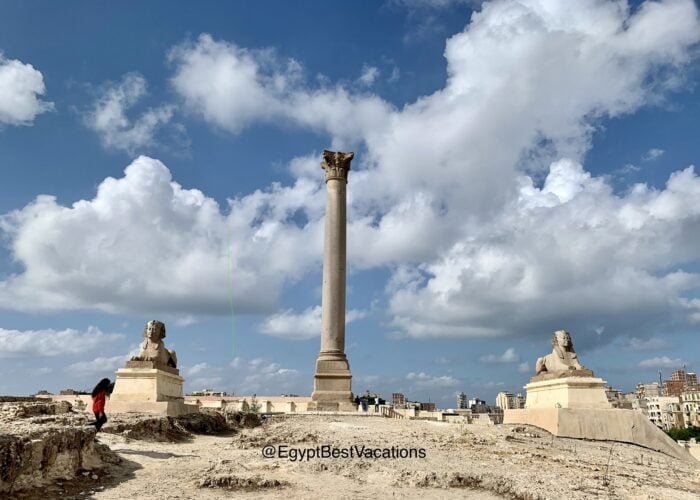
point(154, 331)
point(561, 340)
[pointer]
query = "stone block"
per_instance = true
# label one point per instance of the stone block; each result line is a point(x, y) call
point(147, 384)
point(149, 390)
point(568, 392)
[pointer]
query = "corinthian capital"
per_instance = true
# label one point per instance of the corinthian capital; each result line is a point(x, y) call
point(336, 164)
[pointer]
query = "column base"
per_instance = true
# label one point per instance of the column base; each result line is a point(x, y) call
point(332, 384)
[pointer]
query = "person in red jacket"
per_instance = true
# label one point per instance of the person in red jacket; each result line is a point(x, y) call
point(99, 396)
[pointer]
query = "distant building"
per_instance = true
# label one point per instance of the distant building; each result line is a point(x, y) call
point(462, 402)
point(477, 405)
point(398, 400)
point(617, 399)
point(43, 392)
point(679, 381)
point(209, 392)
point(427, 406)
point(509, 401)
point(648, 390)
point(690, 405)
point(665, 412)
point(68, 392)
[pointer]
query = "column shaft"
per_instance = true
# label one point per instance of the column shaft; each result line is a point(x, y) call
point(334, 261)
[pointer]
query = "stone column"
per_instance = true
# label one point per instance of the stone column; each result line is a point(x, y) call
point(332, 380)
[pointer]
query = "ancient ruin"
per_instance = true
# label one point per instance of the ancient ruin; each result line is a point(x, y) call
point(332, 379)
point(562, 362)
point(152, 347)
point(150, 382)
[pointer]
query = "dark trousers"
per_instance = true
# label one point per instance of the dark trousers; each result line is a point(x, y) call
point(100, 419)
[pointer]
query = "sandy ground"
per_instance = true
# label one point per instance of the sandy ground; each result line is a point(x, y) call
point(461, 461)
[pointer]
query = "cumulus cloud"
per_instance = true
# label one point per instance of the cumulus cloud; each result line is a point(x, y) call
point(98, 365)
point(509, 356)
point(21, 88)
point(524, 367)
point(108, 116)
point(304, 325)
point(28, 343)
point(572, 253)
point(233, 87)
point(426, 381)
point(145, 243)
point(662, 362)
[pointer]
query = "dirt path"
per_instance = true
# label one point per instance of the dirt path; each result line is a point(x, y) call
point(460, 462)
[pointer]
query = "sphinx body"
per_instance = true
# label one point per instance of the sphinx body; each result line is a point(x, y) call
point(563, 360)
point(153, 348)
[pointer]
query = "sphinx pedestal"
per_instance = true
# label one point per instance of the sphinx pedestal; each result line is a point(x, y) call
point(577, 407)
point(568, 392)
point(148, 387)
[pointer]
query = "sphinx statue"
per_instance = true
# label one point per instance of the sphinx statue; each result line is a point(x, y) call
point(152, 347)
point(563, 361)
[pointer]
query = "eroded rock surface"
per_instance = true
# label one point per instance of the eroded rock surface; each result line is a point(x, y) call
point(41, 442)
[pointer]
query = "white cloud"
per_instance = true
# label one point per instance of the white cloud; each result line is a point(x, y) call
point(28, 343)
point(572, 253)
point(233, 87)
point(206, 383)
point(662, 362)
point(196, 369)
point(108, 116)
point(426, 381)
point(653, 154)
point(369, 75)
point(524, 367)
point(509, 356)
point(304, 325)
point(21, 87)
point(98, 365)
point(145, 243)
point(246, 376)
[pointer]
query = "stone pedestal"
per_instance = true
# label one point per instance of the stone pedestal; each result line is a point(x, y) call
point(568, 392)
point(147, 387)
point(577, 407)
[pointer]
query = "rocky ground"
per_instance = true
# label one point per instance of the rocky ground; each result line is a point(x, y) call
point(459, 461)
point(43, 443)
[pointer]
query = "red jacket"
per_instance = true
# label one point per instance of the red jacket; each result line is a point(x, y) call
point(98, 402)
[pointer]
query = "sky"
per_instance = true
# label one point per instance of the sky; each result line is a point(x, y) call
point(521, 166)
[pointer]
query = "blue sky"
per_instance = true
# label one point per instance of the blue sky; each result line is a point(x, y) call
point(520, 167)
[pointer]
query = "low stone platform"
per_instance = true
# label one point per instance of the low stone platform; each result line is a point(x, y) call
point(626, 426)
